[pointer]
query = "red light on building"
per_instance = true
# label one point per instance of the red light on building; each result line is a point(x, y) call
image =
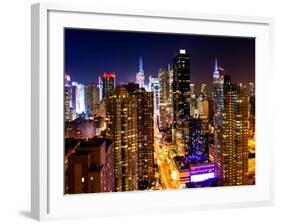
point(109, 75)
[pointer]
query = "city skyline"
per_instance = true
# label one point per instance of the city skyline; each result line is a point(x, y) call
point(91, 53)
point(168, 130)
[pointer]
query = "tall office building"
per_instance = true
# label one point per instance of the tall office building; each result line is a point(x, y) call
point(218, 104)
point(145, 133)
point(181, 85)
point(78, 97)
point(154, 87)
point(100, 87)
point(228, 141)
point(181, 97)
point(67, 98)
point(108, 84)
point(193, 101)
point(121, 117)
point(242, 119)
point(171, 75)
point(231, 130)
point(92, 98)
point(140, 77)
point(252, 129)
point(165, 99)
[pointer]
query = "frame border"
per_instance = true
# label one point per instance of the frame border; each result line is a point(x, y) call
point(39, 90)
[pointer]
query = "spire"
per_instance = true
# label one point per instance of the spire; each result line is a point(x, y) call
point(216, 64)
point(216, 73)
point(141, 65)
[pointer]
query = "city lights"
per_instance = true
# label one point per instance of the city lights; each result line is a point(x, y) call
point(141, 118)
point(202, 177)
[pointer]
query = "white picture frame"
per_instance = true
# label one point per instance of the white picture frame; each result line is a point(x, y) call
point(48, 201)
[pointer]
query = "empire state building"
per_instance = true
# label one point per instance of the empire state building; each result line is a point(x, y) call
point(140, 75)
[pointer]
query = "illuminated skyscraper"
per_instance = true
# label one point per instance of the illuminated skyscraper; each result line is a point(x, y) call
point(228, 141)
point(121, 112)
point(145, 133)
point(252, 129)
point(108, 84)
point(92, 98)
point(78, 97)
point(242, 119)
point(181, 85)
point(154, 87)
point(181, 99)
point(193, 101)
point(165, 99)
point(67, 98)
point(140, 75)
point(100, 86)
point(218, 103)
point(231, 130)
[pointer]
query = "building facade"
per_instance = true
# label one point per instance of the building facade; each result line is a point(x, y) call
point(145, 133)
point(121, 117)
point(91, 167)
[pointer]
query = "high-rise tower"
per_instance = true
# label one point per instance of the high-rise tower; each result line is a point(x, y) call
point(165, 99)
point(92, 98)
point(145, 133)
point(230, 130)
point(140, 75)
point(121, 116)
point(154, 87)
point(218, 103)
point(181, 100)
point(108, 84)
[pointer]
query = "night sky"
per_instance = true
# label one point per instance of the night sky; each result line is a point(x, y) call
point(90, 53)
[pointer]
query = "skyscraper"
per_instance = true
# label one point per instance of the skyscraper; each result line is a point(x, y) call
point(193, 101)
point(140, 77)
point(92, 98)
point(145, 133)
point(165, 99)
point(181, 97)
point(108, 84)
point(154, 87)
point(181, 85)
point(78, 97)
point(228, 141)
point(242, 119)
point(121, 113)
point(230, 130)
point(100, 87)
point(218, 103)
point(67, 98)
point(251, 94)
